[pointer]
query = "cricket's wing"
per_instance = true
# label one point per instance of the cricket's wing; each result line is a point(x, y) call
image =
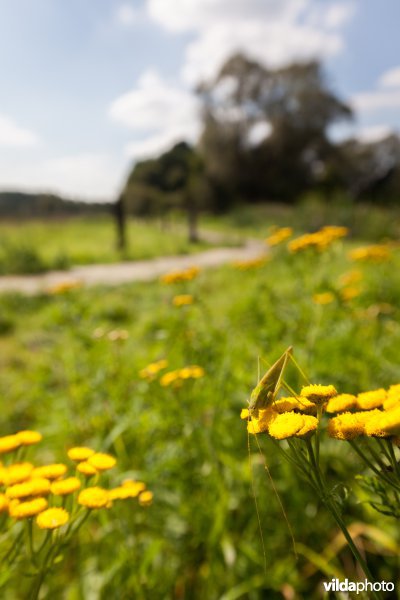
point(265, 391)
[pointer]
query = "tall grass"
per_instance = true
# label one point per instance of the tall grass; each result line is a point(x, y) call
point(69, 372)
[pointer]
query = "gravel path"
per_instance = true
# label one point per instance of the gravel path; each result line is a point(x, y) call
point(143, 270)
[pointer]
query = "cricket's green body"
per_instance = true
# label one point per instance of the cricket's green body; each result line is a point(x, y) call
point(267, 388)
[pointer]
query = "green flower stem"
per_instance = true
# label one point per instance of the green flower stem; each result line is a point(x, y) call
point(45, 567)
point(393, 458)
point(46, 539)
point(292, 459)
point(13, 551)
point(372, 466)
point(329, 503)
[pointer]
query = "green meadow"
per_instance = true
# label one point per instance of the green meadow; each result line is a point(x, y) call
point(72, 368)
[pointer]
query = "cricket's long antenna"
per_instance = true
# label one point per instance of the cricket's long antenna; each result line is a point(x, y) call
point(296, 364)
point(278, 498)
point(255, 500)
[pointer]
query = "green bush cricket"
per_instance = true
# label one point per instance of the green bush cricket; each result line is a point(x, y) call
point(267, 388)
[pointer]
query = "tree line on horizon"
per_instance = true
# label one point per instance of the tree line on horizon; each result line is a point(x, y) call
point(265, 138)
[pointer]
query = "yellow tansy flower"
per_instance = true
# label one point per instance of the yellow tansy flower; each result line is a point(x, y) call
point(350, 292)
point(64, 487)
point(24, 510)
point(63, 287)
point(33, 487)
point(350, 277)
point(323, 298)
point(244, 413)
point(8, 443)
point(291, 403)
point(373, 253)
point(310, 424)
point(153, 369)
point(102, 462)
point(179, 276)
point(52, 518)
point(341, 403)
point(94, 497)
point(197, 372)
point(348, 426)
point(286, 425)
point(53, 471)
point(86, 469)
point(252, 263)
point(146, 498)
point(129, 489)
point(80, 453)
point(318, 393)
point(370, 400)
point(390, 422)
point(17, 473)
point(183, 300)
point(261, 422)
point(279, 236)
point(172, 377)
point(28, 438)
point(4, 502)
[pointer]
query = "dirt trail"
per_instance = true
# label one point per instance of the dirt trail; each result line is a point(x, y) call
point(143, 270)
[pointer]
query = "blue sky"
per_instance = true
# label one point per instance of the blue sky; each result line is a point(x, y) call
point(87, 87)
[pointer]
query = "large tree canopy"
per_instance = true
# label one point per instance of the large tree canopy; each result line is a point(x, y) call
point(265, 132)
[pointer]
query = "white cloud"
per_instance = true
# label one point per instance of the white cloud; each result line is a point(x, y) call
point(12, 135)
point(373, 133)
point(273, 31)
point(338, 14)
point(87, 176)
point(126, 15)
point(376, 100)
point(390, 78)
point(184, 15)
point(276, 44)
point(165, 112)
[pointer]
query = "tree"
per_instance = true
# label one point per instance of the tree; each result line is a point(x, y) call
point(173, 180)
point(119, 212)
point(265, 132)
point(371, 171)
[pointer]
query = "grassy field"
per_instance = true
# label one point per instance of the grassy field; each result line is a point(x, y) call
point(37, 246)
point(72, 368)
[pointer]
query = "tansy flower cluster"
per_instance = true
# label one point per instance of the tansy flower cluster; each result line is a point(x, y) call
point(151, 371)
point(320, 240)
point(252, 263)
point(372, 253)
point(33, 491)
point(279, 236)
point(56, 496)
point(373, 414)
point(177, 377)
point(63, 287)
point(296, 426)
point(182, 300)
point(180, 276)
point(292, 416)
point(346, 288)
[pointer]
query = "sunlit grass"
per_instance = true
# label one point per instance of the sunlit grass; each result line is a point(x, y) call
point(35, 246)
point(73, 367)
